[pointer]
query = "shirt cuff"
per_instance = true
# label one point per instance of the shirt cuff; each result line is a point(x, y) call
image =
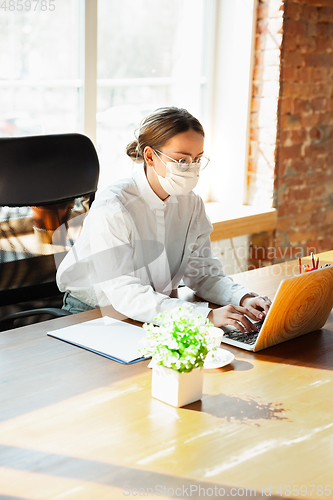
point(239, 294)
point(200, 309)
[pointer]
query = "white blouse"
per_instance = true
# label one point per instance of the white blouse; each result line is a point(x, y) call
point(134, 249)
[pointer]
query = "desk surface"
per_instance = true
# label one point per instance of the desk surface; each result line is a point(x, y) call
point(75, 425)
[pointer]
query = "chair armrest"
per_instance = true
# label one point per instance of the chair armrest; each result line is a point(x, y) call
point(7, 322)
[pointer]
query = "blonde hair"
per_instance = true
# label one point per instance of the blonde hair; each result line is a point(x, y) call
point(157, 128)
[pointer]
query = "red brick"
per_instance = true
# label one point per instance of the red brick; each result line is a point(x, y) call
point(290, 121)
point(283, 169)
point(293, 27)
point(299, 165)
point(284, 137)
point(298, 136)
point(293, 10)
point(294, 59)
point(306, 45)
point(317, 163)
point(315, 133)
point(301, 106)
point(286, 105)
point(325, 14)
point(289, 74)
point(317, 178)
point(324, 44)
point(299, 236)
point(316, 218)
point(302, 220)
point(312, 30)
point(316, 60)
point(290, 89)
point(292, 181)
point(310, 120)
point(319, 192)
point(319, 3)
point(287, 209)
point(299, 194)
point(309, 12)
point(324, 29)
point(291, 44)
point(305, 74)
point(310, 206)
point(289, 152)
point(329, 216)
point(322, 148)
point(319, 74)
point(326, 118)
point(285, 224)
point(325, 244)
point(319, 104)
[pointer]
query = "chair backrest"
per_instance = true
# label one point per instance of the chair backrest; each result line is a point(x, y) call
point(46, 169)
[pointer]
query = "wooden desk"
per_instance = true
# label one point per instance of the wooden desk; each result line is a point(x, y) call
point(75, 425)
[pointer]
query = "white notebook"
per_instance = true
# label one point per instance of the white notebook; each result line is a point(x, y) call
point(117, 340)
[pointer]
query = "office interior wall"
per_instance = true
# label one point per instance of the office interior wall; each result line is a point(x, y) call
point(302, 154)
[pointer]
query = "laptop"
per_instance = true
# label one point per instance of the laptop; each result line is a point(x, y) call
point(301, 305)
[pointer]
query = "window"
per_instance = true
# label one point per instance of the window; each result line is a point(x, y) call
point(40, 72)
point(147, 54)
point(150, 55)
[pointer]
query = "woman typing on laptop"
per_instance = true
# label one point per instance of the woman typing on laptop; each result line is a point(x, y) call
point(145, 234)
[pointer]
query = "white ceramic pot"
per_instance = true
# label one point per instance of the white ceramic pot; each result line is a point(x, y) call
point(176, 389)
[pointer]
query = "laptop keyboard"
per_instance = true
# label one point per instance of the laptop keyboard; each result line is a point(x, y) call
point(248, 338)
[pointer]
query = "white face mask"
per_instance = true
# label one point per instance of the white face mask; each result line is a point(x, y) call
point(177, 182)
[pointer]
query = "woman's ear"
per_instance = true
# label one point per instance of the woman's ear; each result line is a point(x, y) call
point(148, 155)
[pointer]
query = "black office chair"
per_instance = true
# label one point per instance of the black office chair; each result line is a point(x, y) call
point(55, 175)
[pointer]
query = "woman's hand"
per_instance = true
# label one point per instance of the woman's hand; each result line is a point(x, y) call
point(237, 316)
point(251, 307)
point(256, 304)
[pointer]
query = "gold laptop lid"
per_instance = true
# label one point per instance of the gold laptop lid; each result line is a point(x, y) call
point(301, 305)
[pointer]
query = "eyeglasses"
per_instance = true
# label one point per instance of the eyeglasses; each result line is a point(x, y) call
point(185, 163)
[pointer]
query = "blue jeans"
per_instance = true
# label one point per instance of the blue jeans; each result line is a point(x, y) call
point(74, 305)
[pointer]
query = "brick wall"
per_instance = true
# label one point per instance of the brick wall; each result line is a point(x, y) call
point(303, 157)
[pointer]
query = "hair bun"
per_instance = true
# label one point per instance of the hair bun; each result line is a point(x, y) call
point(134, 152)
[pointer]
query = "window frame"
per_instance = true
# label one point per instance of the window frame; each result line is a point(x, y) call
point(218, 89)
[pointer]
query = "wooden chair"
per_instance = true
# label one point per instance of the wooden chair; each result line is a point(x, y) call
point(54, 177)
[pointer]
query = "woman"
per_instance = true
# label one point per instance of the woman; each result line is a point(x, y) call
point(146, 233)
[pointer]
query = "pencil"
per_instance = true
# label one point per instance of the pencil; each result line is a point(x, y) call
point(313, 261)
point(300, 265)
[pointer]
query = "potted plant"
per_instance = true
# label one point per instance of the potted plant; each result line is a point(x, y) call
point(178, 347)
